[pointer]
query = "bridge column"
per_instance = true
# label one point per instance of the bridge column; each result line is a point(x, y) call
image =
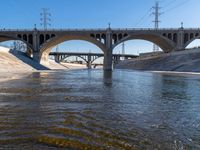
point(36, 56)
point(89, 64)
point(36, 51)
point(116, 60)
point(57, 58)
point(107, 64)
point(180, 44)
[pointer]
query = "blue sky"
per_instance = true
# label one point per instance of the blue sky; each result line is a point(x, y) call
point(97, 14)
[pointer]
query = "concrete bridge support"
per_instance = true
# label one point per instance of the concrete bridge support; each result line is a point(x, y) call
point(57, 59)
point(107, 65)
point(89, 63)
point(36, 47)
point(116, 60)
point(180, 41)
point(36, 56)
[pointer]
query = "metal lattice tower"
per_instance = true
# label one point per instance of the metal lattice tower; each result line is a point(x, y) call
point(45, 18)
point(156, 13)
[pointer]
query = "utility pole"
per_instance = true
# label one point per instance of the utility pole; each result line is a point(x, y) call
point(45, 18)
point(156, 13)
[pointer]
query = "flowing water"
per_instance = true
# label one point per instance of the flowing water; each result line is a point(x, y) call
point(92, 109)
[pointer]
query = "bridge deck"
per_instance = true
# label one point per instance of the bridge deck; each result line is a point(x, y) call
point(99, 29)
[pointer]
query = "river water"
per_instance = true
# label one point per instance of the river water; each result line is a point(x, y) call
point(92, 109)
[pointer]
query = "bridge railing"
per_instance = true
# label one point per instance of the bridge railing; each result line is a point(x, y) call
point(152, 29)
point(98, 29)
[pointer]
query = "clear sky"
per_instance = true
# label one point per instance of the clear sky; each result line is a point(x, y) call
point(97, 14)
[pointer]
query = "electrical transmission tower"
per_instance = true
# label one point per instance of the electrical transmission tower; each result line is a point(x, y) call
point(156, 13)
point(45, 18)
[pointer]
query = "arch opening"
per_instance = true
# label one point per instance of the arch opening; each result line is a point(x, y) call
point(78, 51)
point(98, 60)
point(74, 59)
point(135, 47)
point(194, 44)
point(175, 37)
point(77, 46)
point(17, 46)
point(61, 39)
point(163, 42)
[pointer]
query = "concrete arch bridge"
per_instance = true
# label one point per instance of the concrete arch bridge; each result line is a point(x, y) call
point(40, 42)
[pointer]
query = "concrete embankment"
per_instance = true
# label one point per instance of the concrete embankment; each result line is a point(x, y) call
point(12, 61)
point(181, 61)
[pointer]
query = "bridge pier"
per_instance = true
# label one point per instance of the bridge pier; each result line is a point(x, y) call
point(107, 63)
point(41, 58)
point(57, 59)
point(36, 57)
point(116, 60)
point(89, 65)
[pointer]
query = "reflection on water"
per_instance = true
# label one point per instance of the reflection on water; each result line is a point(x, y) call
point(100, 110)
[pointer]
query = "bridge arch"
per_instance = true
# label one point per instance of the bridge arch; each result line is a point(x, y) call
point(76, 56)
point(46, 47)
point(25, 38)
point(163, 42)
point(96, 59)
point(84, 59)
point(60, 39)
point(192, 38)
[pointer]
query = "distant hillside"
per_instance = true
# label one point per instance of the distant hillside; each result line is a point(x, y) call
point(186, 61)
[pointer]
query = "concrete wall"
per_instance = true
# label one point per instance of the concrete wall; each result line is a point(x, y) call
point(4, 49)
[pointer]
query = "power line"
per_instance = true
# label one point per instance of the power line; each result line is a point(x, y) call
point(146, 15)
point(143, 18)
point(176, 6)
point(169, 3)
point(45, 18)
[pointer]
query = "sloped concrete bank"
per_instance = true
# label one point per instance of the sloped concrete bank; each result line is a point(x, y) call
point(182, 61)
point(13, 61)
point(10, 63)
